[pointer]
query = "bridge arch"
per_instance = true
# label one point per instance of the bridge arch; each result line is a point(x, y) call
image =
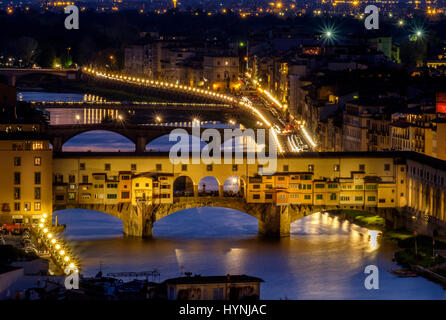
point(234, 186)
point(183, 186)
point(209, 186)
point(205, 221)
point(117, 138)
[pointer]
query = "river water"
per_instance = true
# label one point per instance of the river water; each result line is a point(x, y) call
point(324, 258)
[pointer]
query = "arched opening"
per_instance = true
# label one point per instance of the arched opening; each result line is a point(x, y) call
point(208, 187)
point(234, 187)
point(99, 141)
point(83, 224)
point(206, 222)
point(183, 187)
point(162, 144)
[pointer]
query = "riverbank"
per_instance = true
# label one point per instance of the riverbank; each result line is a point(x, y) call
point(424, 255)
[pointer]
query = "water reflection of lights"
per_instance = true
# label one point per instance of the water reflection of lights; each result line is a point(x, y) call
point(373, 238)
point(234, 260)
point(180, 259)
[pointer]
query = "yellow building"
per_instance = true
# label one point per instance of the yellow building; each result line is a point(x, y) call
point(142, 190)
point(26, 184)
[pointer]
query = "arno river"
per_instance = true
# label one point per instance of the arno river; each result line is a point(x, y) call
point(324, 258)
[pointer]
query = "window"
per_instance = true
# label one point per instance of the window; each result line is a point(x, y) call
point(310, 167)
point(332, 185)
point(371, 198)
point(17, 161)
point(256, 186)
point(402, 181)
point(16, 206)
point(159, 167)
point(125, 177)
point(184, 167)
point(133, 166)
point(358, 198)
point(268, 196)
point(37, 178)
point(336, 167)
point(319, 197)
point(358, 187)
point(125, 195)
point(333, 196)
point(362, 167)
point(82, 166)
point(71, 178)
point(285, 168)
point(209, 167)
point(309, 186)
point(16, 193)
point(256, 196)
point(234, 167)
point(37, 193)
point(37, 206)
point(344, 198)
point(402, 169)
point(307, 197)
point(27, 206)
point(107, 167)
point(112, 185)
point(112, 196)
point(58, 178)
point(16, 177)
point(37, 145)
point(84, 179)
point(37, 161)
point(386, 167)
point(319, 185)
point(402, 194)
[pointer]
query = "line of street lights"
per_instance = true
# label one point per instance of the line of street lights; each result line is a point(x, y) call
point(59, 251)
point(146, 82)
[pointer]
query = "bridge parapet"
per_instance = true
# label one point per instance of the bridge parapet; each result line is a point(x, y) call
point(154, 87)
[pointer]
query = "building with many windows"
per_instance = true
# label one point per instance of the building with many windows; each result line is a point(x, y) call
point(26, 183)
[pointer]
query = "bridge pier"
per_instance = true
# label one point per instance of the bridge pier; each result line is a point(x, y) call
point(220, 190)
point(140, 145)
point(275, 221)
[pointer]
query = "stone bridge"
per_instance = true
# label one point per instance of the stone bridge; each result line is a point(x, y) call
point(139, 134)
point(273, 220)
point(160, 89)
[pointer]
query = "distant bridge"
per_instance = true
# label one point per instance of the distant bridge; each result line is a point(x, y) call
point(14, 73)
point(139, 134)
